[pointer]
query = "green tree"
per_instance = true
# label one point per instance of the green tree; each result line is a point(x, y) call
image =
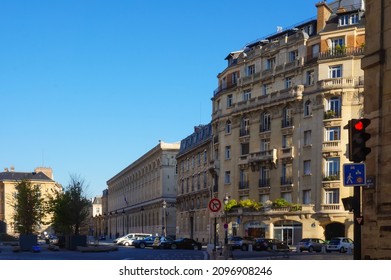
point(70, 208)
point(29, 207)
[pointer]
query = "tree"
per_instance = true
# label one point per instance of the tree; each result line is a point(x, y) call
point(70, 208)
point(29, 207)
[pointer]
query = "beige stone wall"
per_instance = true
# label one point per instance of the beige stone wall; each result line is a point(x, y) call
point(376, 231)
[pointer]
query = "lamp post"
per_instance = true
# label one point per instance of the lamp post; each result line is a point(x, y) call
point(142, 219)
point(164, 218)
point(226, 198)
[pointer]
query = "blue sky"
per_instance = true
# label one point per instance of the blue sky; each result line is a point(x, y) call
point(89, 86)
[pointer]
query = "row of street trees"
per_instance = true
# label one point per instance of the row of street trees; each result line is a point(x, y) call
point(68, 209)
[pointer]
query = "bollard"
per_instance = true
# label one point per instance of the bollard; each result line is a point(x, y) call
point(323, 249)
point(250, 247)
point(349, 250)
point(274, 247)
point(298, 249)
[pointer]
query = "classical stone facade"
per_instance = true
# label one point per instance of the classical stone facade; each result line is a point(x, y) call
point(142, 197)
point(42, 176)
point(376, 200)
point(195, 185)
point(278, 118)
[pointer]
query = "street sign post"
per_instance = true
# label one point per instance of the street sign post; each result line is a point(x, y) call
point(354, 174)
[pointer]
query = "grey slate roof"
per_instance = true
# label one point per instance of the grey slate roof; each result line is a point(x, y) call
point(18, 176)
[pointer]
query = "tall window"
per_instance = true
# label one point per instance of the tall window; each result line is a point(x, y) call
point(307, 138)
point(334, 105)
point(307, 167)
point(244, 126)
point(227, 152)
point(234, 78)
point(227, 177)
point(266, 89)
point(286, 178)
point(337, 42)
point(270, 63)
point(287, 196)
point(332, 168)
point(244, 149)
point(246, 95)
point(287, 141)
point(250, 70)
point(310, 77)
point(287, 117)
point(293, 55)
point(265, 122)
point(229, 101)
point(307, 197)
point(228, 127)
point(264, 177)
point(288, 82)
point(333, 133)
point(307, 108)
point(243, 177)
point(265, 145)
point(332, 196)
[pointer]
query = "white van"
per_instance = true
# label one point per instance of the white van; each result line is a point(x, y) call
point(127, 239)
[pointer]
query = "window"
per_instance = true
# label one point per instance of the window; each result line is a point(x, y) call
point(263, 198)
point(333, 133)
point(224, 83)
point(264, 177)
point(265, 122)
point(349, 19)
point(287, 196)
point(234, 78)
point(245, 149)
point(287, 117)
point(228, 127)
point(293, 55)
point(337, 42)
point(205, 179)
point(244, 127)
point(307, 138)
point(335, 71)
point(250, 70)
point(306, 196)
point(227, 177)
point(229, 101)
point(334, 106)
point(286, 178)
point(246, 95)
point(307, 167)
point(270, 63)
point(205, 156)
point(286, 141)
point(288, 82)
point(332, 168)
point(227, 152)
point(266, 89)
point(332, 196)
point(243, 177)
point(265, 145)
point(310, 78)
point(343, 20)
point(307, 108)
point(315, 50)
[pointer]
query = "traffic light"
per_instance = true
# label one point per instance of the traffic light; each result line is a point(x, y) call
point(357, 139)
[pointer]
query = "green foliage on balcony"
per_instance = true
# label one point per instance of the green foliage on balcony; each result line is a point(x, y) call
point(246, 204)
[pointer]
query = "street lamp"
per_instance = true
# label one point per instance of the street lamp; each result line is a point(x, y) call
point(226, 198)
point(164, 218)
point(142, 219)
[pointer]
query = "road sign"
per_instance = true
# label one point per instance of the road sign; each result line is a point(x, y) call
point(354, 174)
point(214, 205)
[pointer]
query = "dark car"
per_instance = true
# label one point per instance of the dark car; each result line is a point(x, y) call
point(312, 244)
point(186, 243)
point(162, 242)
point(145, 242)
point(238, 242)
point(268, 244)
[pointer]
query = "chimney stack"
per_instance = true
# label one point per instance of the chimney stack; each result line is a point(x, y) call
point(323, 15)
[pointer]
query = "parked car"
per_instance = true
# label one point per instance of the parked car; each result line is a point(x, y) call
point(186, 243)
point(312, 244)
point(162, 242)
point(127, 239)
point(145, 242)
point(268, 244)
point(341, 244)
point(238, 242)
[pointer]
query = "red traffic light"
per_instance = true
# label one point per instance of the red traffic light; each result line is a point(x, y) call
point(359, 125)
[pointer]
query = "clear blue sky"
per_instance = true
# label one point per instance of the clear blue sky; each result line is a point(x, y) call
point(89, 86)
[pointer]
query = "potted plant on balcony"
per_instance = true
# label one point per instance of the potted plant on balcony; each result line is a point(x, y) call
point(329, 114)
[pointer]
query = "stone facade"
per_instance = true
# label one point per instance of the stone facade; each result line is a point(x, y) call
point(136, 195)
point(376, 201)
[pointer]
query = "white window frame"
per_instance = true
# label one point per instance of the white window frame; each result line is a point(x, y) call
point(335, 71)
point(307, 167)
point(331, 196)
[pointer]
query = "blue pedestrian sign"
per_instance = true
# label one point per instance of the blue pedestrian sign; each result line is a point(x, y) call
point(354, 174)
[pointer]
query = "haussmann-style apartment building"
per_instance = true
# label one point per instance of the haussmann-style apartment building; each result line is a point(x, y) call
point(278, 127)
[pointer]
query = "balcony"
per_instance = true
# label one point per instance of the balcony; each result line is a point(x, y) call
point(244, 132)
point(244, 185)
point(331, 146)
point(335, 176)
point(257, 157)
point(286, 181)
point(250, 79)
point(331, 207)
point(341, 52)
point(264, 183)
point(287, 122)
point(330, 114)
point(287, 152)
point(223, 88)
point(337, 83)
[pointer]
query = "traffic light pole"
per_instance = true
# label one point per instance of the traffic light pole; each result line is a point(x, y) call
point(357, 225)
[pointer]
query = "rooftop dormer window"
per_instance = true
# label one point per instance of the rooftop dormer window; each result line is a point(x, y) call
point(348, 19)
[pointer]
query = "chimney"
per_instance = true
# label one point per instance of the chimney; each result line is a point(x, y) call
point(12, 168)
point(45, 170)
point(323, 15)
point(5, 169)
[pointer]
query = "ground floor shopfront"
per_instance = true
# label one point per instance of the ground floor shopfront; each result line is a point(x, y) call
point(288, 226)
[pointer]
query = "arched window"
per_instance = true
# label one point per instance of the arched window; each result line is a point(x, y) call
point(307, 108)
point(228, 126)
